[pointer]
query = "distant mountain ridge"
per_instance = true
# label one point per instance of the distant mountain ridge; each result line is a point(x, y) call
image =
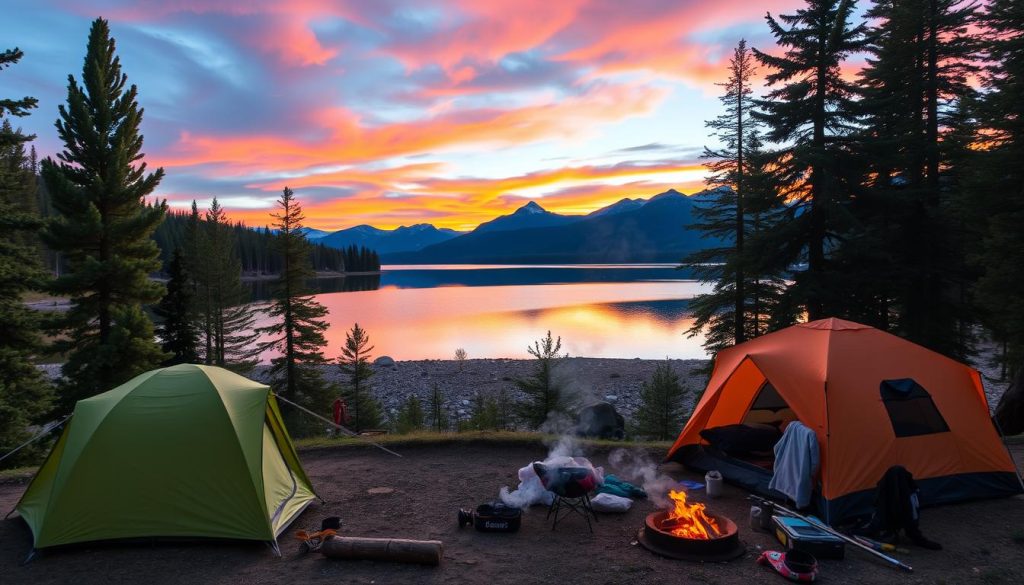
point(631, 230)
point(531, 215)
point(402, 239)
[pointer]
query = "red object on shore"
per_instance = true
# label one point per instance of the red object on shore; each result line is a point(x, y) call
point(340, 411)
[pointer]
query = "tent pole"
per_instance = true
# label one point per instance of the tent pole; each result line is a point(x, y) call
point(335, 425)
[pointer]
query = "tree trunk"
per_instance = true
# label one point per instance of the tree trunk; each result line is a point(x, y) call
point(1010, 411)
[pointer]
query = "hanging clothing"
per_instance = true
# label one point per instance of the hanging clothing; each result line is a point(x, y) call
point(796, 464)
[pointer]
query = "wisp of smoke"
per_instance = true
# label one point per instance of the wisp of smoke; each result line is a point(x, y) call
point(636, 466)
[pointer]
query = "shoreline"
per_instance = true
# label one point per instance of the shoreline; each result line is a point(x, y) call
point(618, 381)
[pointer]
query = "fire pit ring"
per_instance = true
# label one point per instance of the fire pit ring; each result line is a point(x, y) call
point(718, 549)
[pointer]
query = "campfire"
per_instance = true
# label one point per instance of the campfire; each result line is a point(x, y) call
point(689, 520)
point(690, 532)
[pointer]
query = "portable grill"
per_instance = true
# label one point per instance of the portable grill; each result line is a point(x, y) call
point(572, 487)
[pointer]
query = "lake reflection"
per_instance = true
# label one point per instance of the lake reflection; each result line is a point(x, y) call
point(645, 318)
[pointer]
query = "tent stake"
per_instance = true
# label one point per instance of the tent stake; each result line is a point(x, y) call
point(32, 554)
point(335, 425)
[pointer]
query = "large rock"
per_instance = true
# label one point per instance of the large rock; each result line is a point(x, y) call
point(601, 420)
point(384, 361)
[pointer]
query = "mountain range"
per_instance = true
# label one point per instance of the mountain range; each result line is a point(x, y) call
point(631, 230)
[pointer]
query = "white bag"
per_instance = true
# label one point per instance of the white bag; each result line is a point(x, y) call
point(610, 503)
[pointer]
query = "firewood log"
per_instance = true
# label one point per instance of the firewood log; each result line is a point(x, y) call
point(398, 550)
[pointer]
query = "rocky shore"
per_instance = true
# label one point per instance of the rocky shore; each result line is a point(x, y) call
point(618, 381)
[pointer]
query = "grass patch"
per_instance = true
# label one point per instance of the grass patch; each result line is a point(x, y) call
point(511, 438)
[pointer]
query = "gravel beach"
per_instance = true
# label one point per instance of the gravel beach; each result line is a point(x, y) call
point(618, 381)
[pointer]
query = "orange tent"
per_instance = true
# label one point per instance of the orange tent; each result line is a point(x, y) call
point(874, 400)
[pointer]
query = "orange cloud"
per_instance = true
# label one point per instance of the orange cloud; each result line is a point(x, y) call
point(347, 140)
point(375, 197)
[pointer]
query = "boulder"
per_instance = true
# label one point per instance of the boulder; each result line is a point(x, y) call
point(601, 420)
point(384, 361)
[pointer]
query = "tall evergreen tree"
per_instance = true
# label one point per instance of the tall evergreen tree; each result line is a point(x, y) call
point(998, 199)
point(225, 317)
point(25, 395)
point(544, 390)
point(177, 331)
point(737, 204)
point(809, 115)
point(355, 365)
point(296, 333)
point(920, 60)
point(103, 227)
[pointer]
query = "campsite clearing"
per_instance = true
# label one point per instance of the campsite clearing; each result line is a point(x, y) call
point(984, 541)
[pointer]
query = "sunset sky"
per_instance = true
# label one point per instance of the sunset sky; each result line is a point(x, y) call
point(392, 112)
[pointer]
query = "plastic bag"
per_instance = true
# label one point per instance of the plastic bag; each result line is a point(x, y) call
point(610, 503)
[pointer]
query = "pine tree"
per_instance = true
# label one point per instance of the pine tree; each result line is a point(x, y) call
point(25, 395)
point(738, 206)
point(297, 331)
point(226, 319)
point(355, 365)
point(544, 391)
point(103, 227)
point(15, 107)
point(998, 197)
point(177, 331)
point(662, 410)
point(809, 114)
point(438, 411)
point(410, 416)
point(921, 57)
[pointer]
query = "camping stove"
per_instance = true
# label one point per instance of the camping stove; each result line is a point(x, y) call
point(689, 532)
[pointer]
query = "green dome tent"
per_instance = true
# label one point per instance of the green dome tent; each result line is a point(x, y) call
point(184, 451)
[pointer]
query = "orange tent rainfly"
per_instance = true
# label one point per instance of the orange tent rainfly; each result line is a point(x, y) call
point(874, 400)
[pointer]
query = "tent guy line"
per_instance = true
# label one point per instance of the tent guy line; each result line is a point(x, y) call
point(46, 430)
point(349, 432)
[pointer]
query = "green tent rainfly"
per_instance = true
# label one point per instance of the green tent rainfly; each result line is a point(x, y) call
point(184, 451)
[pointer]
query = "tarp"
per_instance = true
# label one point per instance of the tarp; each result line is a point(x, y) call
point(832, 374)
point(184, 451)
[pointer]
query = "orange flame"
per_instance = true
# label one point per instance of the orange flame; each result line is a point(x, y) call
point(689, 521)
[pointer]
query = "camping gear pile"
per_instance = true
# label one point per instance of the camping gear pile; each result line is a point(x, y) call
point(571, 486)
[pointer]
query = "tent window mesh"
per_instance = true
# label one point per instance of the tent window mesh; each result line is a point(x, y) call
point(911, 409)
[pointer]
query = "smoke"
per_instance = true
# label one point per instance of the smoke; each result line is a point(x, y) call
point(636, 467)
point(564, 450)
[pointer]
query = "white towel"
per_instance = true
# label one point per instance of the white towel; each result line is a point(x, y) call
point(796, 463)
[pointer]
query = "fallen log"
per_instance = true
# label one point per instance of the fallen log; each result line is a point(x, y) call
point(397, 550)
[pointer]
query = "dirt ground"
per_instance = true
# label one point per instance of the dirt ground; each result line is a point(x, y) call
point(984, 541)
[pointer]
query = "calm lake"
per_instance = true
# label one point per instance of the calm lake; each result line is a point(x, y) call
point(428, 311)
